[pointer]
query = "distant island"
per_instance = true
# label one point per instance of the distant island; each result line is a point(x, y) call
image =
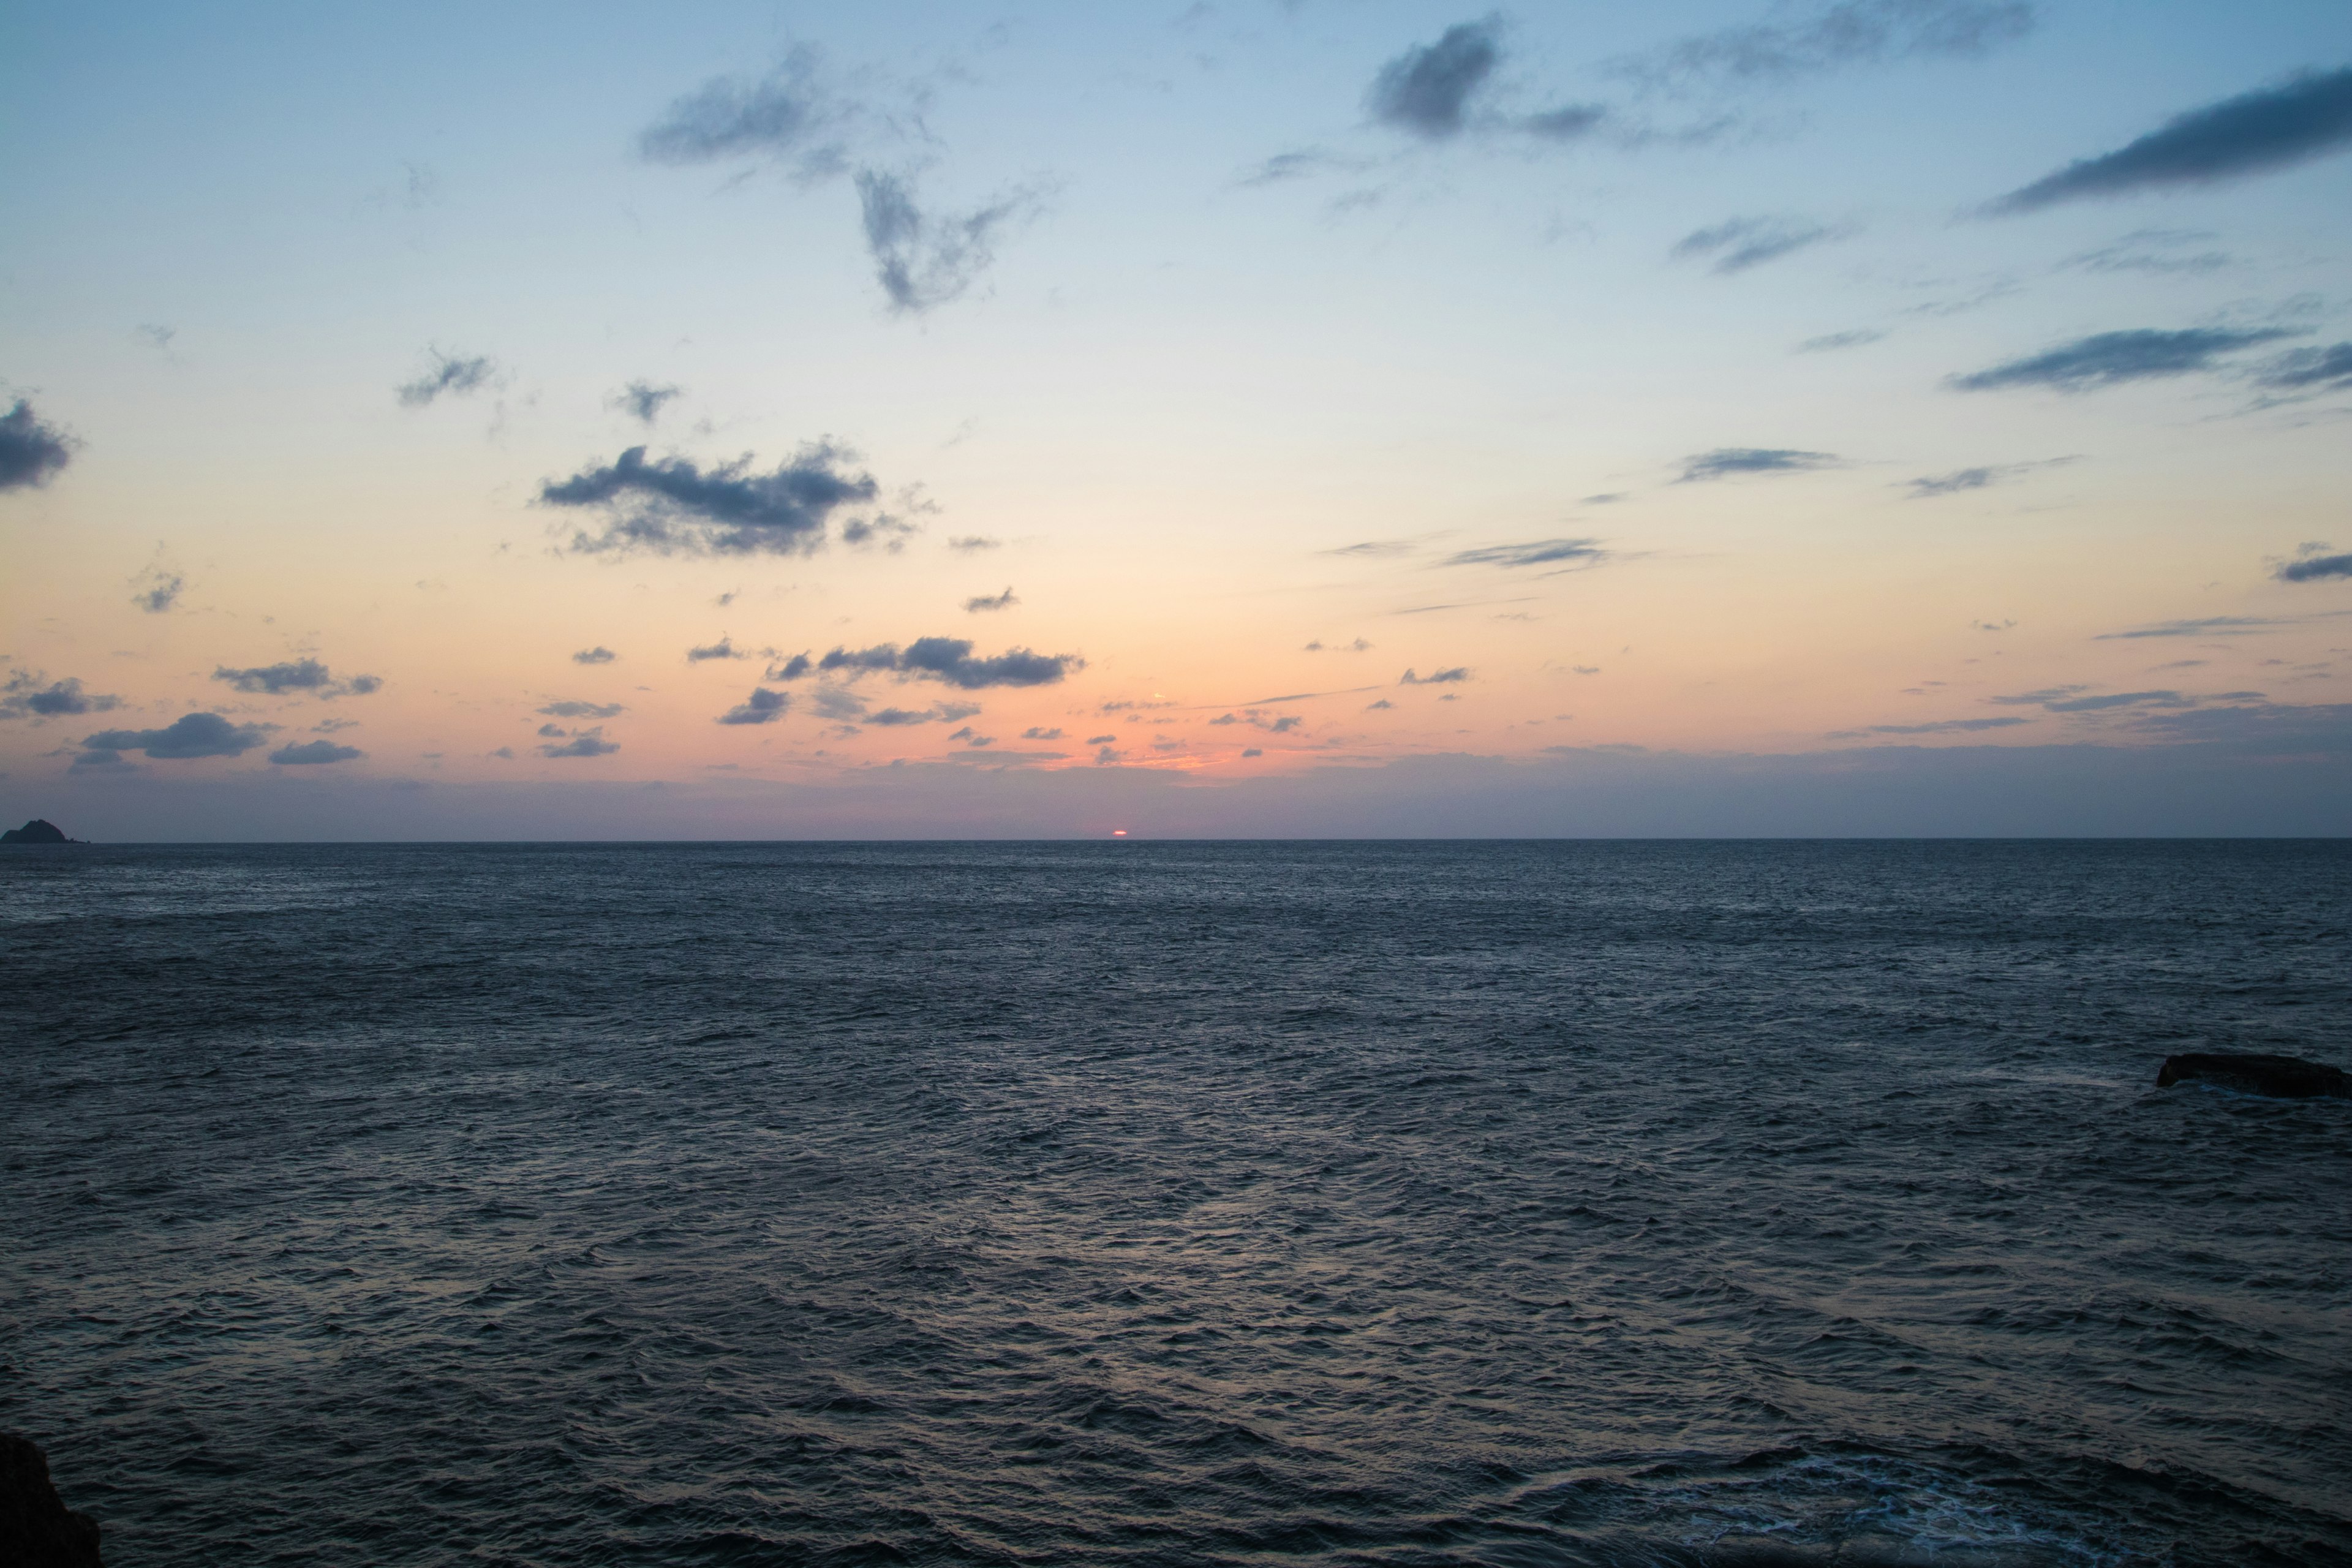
point(36, 832)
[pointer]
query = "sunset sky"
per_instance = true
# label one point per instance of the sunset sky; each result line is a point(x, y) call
point(1891, 415)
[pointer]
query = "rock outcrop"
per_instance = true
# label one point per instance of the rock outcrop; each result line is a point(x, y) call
point(2285, 1077)
point(36, 832)
point(36, 1529)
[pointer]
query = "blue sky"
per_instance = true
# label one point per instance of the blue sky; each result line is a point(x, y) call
point(1674, 378)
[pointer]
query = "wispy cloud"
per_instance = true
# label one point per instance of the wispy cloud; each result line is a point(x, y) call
point(450, 375)
point(2210, 626)
point(926, 257)
point(1741, 243)
point(1436, 677)
point(156, 589)
point(1929, 486)
point(2309, 370)
point(2110, 359)
point(569, 709)
point(31, 453)
point(643, 401)
point(1831, 341)
point(1852, 33)
point(787, 114)
point(313, 752)
point(1933, 727)
point(947, 660)
point(24, 696)
point(1538, 553)
point(723, 648)
point(599, 653)
point(2252, 133)
point(1727, 462)
point(1004, 601)
point(675, 504)
point(301, 675)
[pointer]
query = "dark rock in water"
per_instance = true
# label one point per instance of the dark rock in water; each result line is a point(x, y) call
point(36, 832)
point(36, 1529)
point(2287, 1077)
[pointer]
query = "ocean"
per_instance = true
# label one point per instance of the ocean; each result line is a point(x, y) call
point(1402, 1203)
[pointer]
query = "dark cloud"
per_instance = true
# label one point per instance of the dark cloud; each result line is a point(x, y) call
point(189, 736)
point(1252, 751)
point(1938, 727)
point(785, 112)
point(1828, 342)
point(927, 258)
point(569, 709)
point(762, 707)
point(599, 653)
point(894, 717)
point(450, 376)
point(972, 737)
point(587, 744)
point(950, 659)
point(1041, 734)
point(723, 648)
point(643, 401)
point(556, 731)
point(2211, 626)
point(157, 589)
point(24, 696)
point(1854, 32)
point(791, 669)
point(2109, 359)
point(2315, 568)
point(1426, 90)
point(1741, 243)
point(1004, 601)
point(2101, 703)
point(314, 752)
point(296, 675)
point(1539, 553)
point(973, 541)
point(2326, 369)
point(1100, 740)
point(2248, 134)
point(672, 503)
point(1726, 461)
point(1436, 678)
point(31, 453)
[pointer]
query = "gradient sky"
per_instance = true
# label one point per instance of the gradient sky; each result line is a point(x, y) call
point(1891, 415)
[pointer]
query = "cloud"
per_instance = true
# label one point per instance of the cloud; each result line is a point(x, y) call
point(450, 376)
point(1853, 339)
point(296, 675)
point(2309, 567)
point(1040, 733)
point(972, 737)
point(599, 653)
point(1938, 727)
point(1569, 122)
point(970, 542)
point(1373, 547)
point(2113, 700)
point(567, 709)
point(1854, 32)
point(2109, 359)
point(1426, 90)
point(897, 716)
point(950, 659)
point(2151, 250)
point(785, 112)
point(643, 401)
point(2252, 133)
point(1741, 243)
point(1541, 552)
point(314, 752)
point(2211, 626)
point(24, 696)
point(189, 736)
point(673, 503)
point(791, 669)
point(1929, 486)
point(927, 258)
point(2309, 370)
point(1100, 740)
point(1252, 752)
point(1004, 601)
point(31, 453)
point(157, 589)
point(1727, 461)
point(1436, 678)
point(723, 648)
point(762, 707)
point(587, 744)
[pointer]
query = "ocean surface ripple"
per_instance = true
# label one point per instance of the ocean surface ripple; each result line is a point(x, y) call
point(1156, 1204)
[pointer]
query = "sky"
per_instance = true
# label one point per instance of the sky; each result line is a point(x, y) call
point(1709, 418)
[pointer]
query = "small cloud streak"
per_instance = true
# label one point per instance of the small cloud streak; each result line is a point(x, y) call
point(587, 744)
point(1436, 678)
point(1538, 553)
point(452, 376)
point(1744, 242)
point(599, 653)
point(1004, 601)
point(2310, 566)
point(1849, 33)
point(2111, 359)
point(2253, 134)
point(762, 707)
point(583, 710)
point(1727, 462)
point(946, 660)
point(729, 509)
point(313, 752)
point(303, 675)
